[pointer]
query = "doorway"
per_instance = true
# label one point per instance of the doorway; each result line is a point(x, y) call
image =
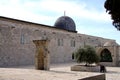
point(105, 56)
point(42, 60)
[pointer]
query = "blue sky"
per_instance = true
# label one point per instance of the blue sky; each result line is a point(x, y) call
point(89, 15)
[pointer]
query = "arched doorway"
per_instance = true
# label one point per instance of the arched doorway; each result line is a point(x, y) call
point(42, 60)
point(105, 56)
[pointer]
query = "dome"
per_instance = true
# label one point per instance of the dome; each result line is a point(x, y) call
point(66, 23)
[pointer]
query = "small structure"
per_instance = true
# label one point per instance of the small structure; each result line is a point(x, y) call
point(98, 77)
point(109, 53)
point(42, 55)
point(85, 68)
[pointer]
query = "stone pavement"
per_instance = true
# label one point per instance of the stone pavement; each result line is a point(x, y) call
point(57, 72)
point(113, 73)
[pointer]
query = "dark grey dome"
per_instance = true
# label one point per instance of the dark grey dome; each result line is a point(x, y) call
point(66, 23)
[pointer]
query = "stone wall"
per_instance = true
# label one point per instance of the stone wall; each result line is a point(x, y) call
point(118, 56)
point(98, 77)
point(17, 47)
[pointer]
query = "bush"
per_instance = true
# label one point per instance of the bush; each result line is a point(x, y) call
point(87, 55)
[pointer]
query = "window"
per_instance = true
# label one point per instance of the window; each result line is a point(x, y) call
point(22, 40)
point(72, 43)
point(60, 42)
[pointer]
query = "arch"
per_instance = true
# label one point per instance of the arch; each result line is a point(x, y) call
point(105, 56)
point(42, 60)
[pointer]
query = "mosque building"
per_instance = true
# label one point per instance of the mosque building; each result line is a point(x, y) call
point(17, 42)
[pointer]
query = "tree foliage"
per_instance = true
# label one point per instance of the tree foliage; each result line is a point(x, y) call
point(113, 8)
point(87, 55)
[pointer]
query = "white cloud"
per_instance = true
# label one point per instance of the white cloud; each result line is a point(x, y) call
point(16, 10)
point(25, 11)
point(74, 9)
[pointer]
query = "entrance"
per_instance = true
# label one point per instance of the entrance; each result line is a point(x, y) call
point(106, 56)
point(42, 55)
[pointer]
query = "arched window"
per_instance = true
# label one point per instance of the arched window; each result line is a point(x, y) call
point(106, 56)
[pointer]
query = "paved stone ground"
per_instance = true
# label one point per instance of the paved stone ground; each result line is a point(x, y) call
point(57, 72)
point(113, 73)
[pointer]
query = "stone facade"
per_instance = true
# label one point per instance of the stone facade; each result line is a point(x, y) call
point(17, 47)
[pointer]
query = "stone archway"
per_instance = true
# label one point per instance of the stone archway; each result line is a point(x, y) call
point(42, 60)
point(113, 51)
point(106, 56)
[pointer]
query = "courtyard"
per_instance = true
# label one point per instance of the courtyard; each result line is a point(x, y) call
point(57, 72)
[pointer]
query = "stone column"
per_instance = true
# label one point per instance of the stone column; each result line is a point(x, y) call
point(42, 60)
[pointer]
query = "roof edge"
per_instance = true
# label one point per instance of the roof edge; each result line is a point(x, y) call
point(34, 23)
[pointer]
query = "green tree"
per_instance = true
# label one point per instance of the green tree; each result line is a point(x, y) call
point(87, 55)
point(113, 8)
